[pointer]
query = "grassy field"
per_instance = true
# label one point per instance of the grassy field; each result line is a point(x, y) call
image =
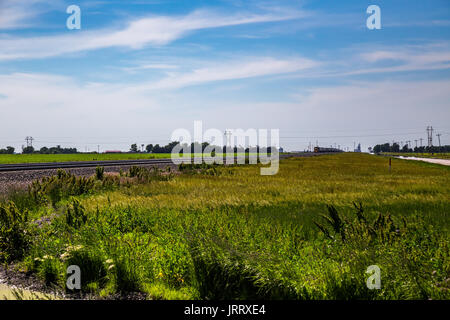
point(39, 158)
point(309, 232)
point(443, 155)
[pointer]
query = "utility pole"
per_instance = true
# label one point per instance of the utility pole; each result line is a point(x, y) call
point(430, 136)
point(98, 148)
point(439, 138)
point(227, 135)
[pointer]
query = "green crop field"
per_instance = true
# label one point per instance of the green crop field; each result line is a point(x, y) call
point(39, 158)
point(212, 232)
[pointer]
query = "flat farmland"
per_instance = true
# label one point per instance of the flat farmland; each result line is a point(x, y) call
point(226, 232)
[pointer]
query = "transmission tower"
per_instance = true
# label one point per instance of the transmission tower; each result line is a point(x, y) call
point(430, 136)
point(439, 138)
point(29, 141)
point(416, 143)
point(421, 139)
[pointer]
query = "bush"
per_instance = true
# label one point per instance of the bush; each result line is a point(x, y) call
point(99, 173)
point(14, 239)
point(92, 267)
point(75, 214)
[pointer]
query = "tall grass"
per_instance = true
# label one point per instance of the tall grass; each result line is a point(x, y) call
point(309, 232)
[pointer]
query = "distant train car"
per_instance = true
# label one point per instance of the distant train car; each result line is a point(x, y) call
point(321, 149)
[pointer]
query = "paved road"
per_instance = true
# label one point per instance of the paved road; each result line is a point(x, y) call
point(445, 162)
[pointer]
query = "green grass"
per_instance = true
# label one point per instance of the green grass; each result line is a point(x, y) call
point(230, 233)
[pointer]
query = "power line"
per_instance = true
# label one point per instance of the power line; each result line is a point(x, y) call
point(355, 136)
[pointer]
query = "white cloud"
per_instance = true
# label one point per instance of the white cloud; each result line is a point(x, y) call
point(428, 57)
point(149, 66)
point(233, 70)
point(155, 30)
point(17, 14)
point(53, 106)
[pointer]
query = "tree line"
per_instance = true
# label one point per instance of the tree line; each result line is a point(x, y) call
point(395, 147)
point(8, 150)
point(51, 150)
point(150, 148)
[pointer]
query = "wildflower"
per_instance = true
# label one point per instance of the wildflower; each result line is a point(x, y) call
point(109, 261)
point(64, 256)
point(74, 248)
point(111, 266)
point(160, 275)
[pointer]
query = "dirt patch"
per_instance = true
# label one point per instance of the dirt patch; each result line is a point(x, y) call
point(11, 278)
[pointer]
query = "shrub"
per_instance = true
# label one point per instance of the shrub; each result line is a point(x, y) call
point(14, 239)
point(59, 186)
point(75, 214)
point(51, 271)
point(92, 267)
point(99, 173)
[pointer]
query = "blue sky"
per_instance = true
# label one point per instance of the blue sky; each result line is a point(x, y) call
point(138, 70)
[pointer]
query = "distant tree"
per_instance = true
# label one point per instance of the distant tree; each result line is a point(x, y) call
point(10, 150)
point(134, 148)
point(28, 150)
point(156, 148)
point(395, 147)
point(149, 148)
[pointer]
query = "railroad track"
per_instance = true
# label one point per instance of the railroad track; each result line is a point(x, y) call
point(91, 164)
point(79, 164)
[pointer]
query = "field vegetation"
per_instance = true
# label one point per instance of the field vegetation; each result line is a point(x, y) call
point(226, 232)
point(41, 158)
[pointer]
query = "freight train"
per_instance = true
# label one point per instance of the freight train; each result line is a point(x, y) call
point(321, 149)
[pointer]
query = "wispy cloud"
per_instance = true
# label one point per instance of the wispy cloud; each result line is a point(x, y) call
point(353, 61)
point(232, 70)
point(18, 14)
point(149, 66)
point(155, 30)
